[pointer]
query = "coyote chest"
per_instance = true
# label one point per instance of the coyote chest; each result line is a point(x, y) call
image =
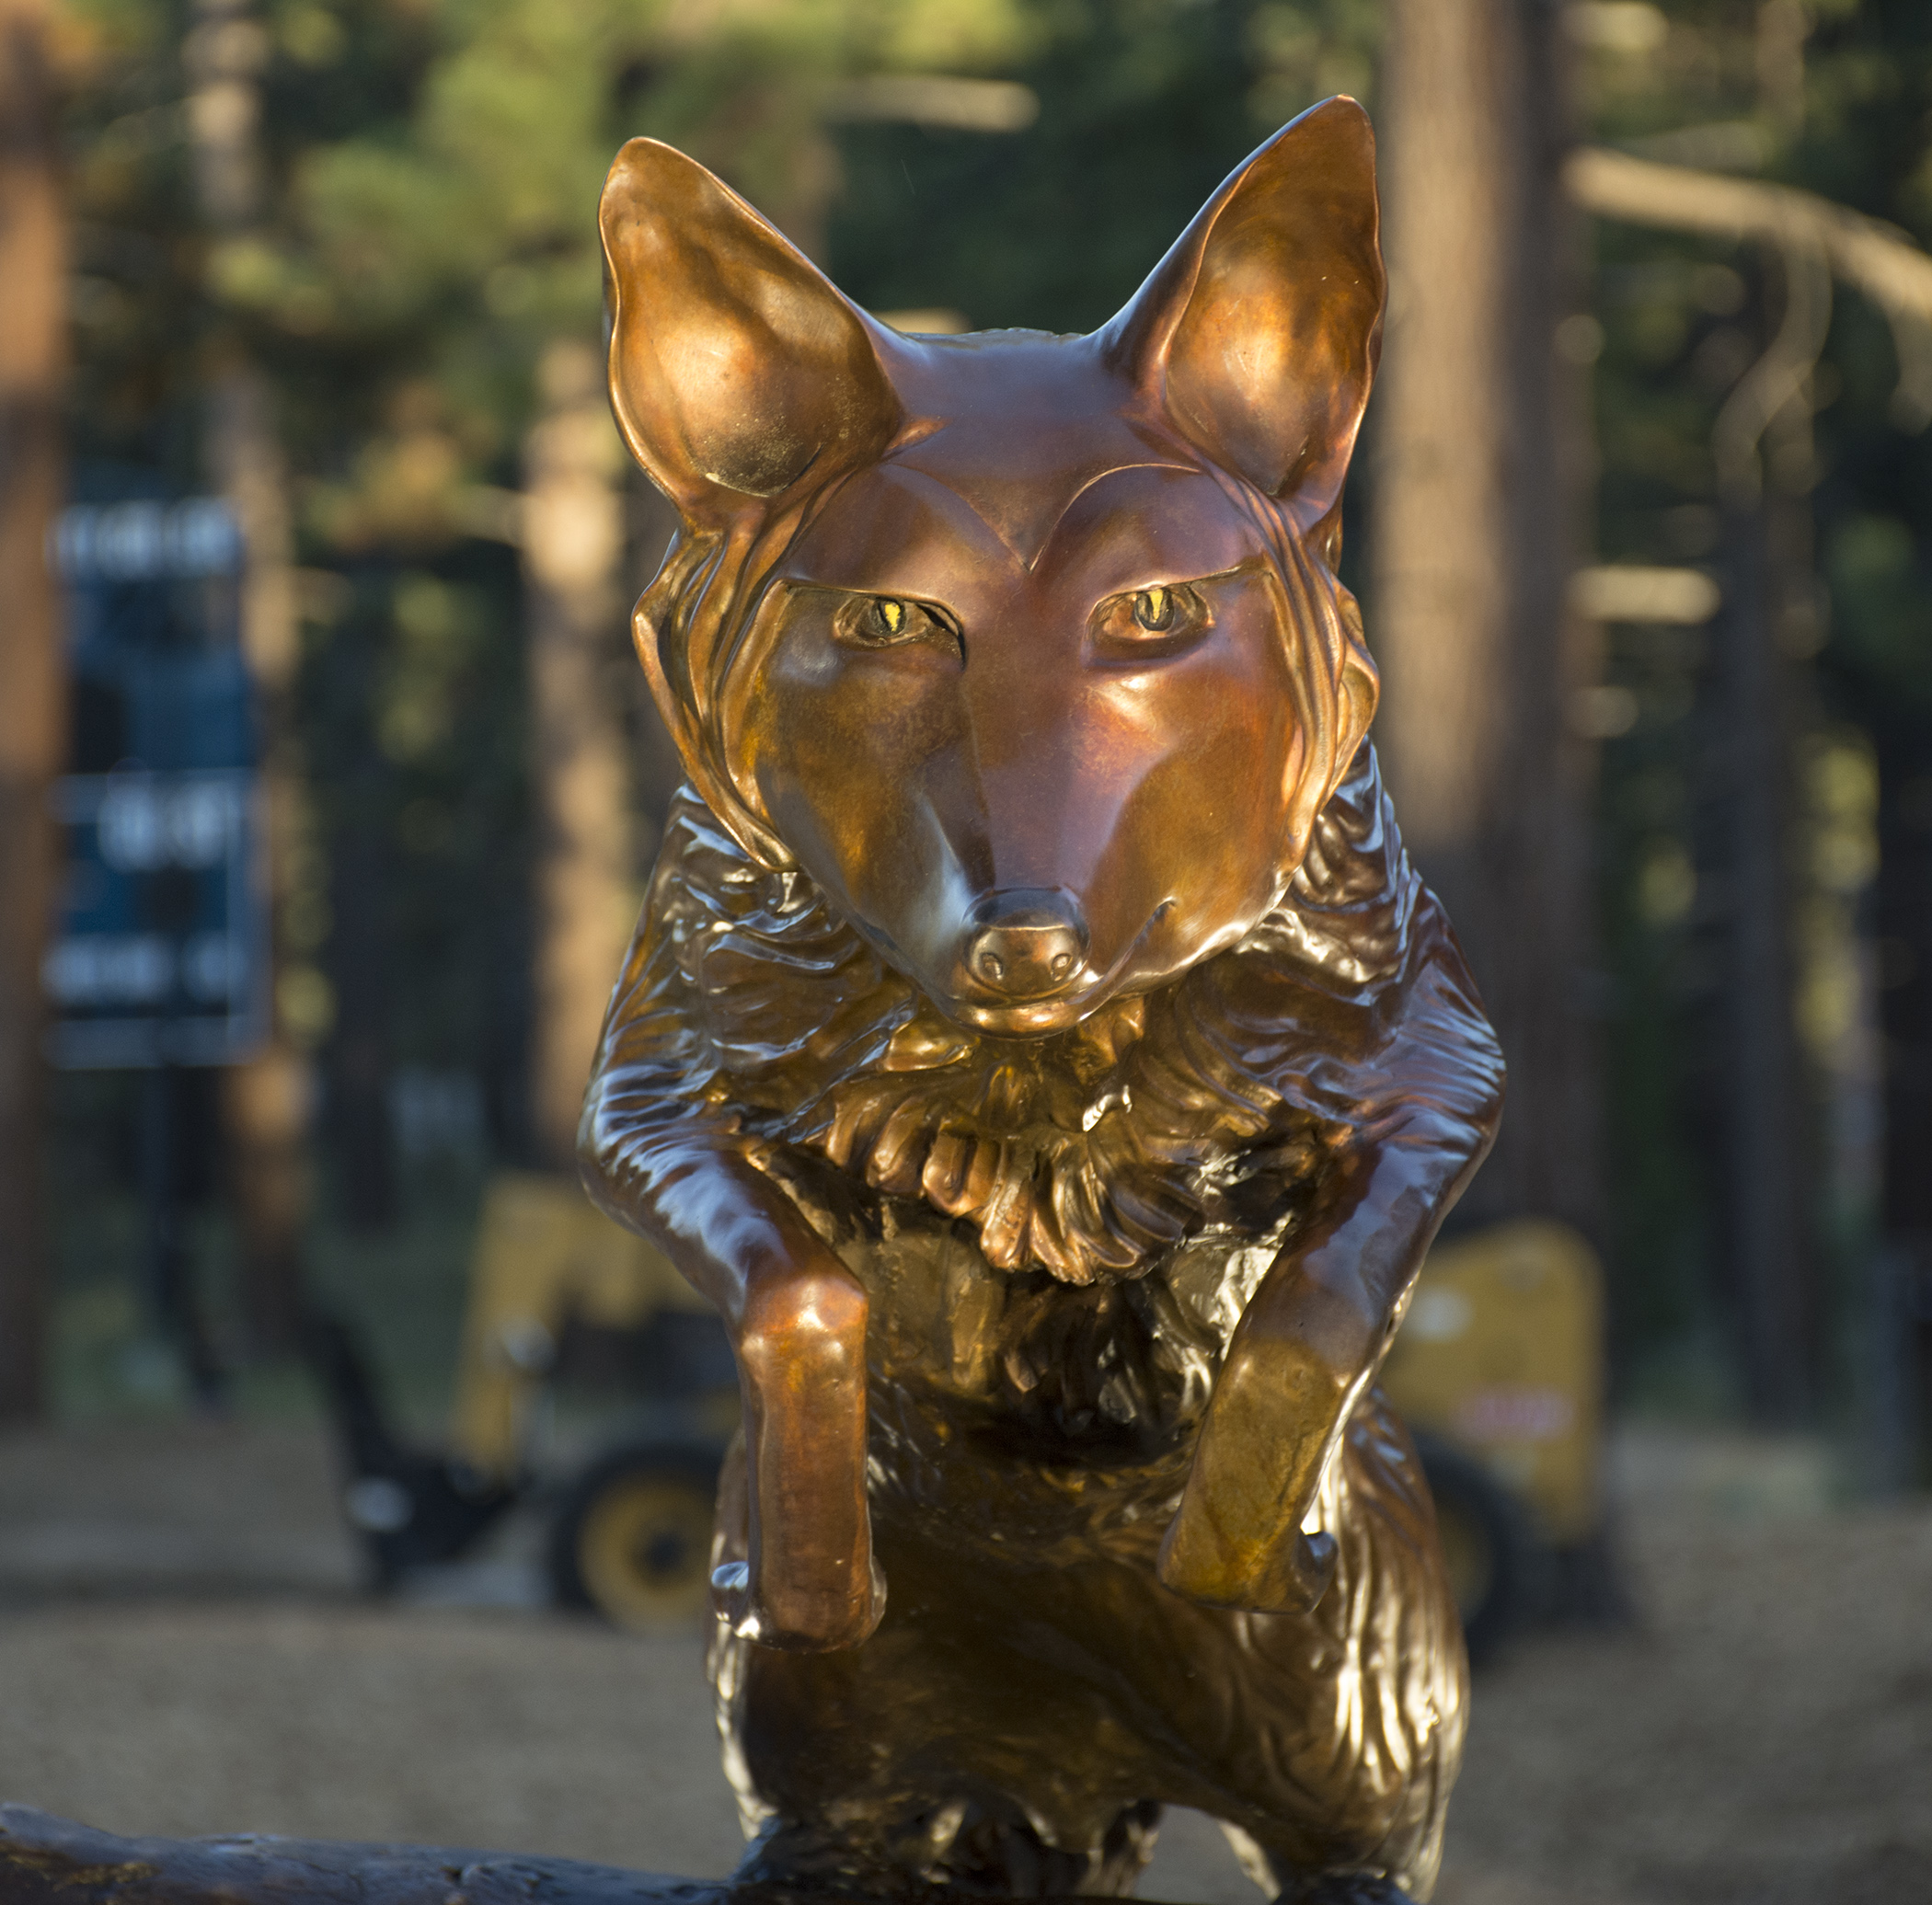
point(1057, 1235)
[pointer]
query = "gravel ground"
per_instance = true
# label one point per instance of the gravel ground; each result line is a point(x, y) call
point(181, 1651)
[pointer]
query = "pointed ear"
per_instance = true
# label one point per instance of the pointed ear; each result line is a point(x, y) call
point(1259, 332)
point(735, 365)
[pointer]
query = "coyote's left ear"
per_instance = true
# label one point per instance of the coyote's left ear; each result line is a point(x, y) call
point(1259, 332)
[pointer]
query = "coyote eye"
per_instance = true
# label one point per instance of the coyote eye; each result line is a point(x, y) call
point(1163, 619)
point(887, 621)
point(1154, 610)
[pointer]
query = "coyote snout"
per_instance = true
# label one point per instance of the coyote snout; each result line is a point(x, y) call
point(1024, 944)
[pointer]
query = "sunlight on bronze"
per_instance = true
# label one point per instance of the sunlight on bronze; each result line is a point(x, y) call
point(1037, 1047)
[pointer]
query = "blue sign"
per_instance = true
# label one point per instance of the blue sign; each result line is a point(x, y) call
point(161, 955)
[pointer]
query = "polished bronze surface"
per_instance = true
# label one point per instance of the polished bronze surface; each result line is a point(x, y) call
point(1037, 1047)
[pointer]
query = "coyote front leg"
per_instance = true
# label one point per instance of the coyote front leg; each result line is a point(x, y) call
point(658, 1158)
point(1419, 1091)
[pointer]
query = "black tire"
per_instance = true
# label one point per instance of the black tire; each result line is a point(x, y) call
point(1485, 1542)
point(632, 1537)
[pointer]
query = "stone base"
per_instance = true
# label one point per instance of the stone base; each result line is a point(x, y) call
point(49, 1861)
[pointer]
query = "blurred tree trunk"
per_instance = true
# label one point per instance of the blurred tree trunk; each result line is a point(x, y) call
point(1904, 957)
point(32, 705)
point(585, 878)
point(1767, 1181)
point(1481, 484)
point(1765, 462)
point(268, 1098)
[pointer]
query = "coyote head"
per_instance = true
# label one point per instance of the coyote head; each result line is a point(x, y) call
point(1027, 649)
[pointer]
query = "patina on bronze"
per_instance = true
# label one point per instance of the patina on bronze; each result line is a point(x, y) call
point(1039, 1047)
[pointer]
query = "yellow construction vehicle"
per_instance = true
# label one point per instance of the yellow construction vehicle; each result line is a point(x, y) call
point(1497, 1369)
point(556, 1291)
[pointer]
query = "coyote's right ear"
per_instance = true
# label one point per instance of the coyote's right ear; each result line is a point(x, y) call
point(735, 365)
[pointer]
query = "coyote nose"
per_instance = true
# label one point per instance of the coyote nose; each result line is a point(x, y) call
point(1026, 943)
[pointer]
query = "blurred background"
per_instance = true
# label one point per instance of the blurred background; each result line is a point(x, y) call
point(329, 788)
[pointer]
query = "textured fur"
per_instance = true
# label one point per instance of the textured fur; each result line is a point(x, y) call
point(1085, 1153)
point(1121, 1260)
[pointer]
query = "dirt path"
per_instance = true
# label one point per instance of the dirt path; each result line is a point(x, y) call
point(1766, 1736)
point(180, 1652)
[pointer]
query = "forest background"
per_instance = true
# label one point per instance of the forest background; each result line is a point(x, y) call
point(1640, 525)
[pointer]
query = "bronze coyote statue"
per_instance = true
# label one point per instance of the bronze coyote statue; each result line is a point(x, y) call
point(1037, 1047)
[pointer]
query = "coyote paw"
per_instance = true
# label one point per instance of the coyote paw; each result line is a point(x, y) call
point(798, 1622)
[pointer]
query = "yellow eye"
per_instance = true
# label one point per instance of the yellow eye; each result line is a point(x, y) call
point(892, 622)
point(1145, 627)
point(1154, 610)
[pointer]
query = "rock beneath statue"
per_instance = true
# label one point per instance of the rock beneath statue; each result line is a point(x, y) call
point(50, 1861)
